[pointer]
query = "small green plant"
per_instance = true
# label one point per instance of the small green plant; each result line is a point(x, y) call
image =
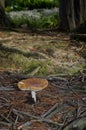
point(8, 9)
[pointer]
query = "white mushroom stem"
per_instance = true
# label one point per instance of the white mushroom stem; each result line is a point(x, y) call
point(33, 93)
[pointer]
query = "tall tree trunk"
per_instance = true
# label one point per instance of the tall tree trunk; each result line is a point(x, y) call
point(82, 11)
point(72, 13)
point(63, 15)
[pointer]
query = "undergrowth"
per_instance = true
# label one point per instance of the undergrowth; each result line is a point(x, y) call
point(51, 21)
point(17, 5)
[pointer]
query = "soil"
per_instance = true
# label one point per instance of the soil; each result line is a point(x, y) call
point(58, 106)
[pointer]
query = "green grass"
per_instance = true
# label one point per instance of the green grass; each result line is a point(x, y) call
point(25, 65)
point(37, 67)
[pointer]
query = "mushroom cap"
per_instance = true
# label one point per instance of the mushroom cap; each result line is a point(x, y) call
point(33, 84)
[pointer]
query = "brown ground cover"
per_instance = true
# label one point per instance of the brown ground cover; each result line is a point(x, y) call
point(56, 106)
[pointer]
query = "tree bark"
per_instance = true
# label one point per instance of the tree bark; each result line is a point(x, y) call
point(72, 13)
point(63, 15)
point(82, 11)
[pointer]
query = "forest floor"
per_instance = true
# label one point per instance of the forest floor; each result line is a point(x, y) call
point(51, 55)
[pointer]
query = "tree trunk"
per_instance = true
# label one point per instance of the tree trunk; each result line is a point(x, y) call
point(5, 21)
point(72, 13)
point(63, 15)
point(82, 11)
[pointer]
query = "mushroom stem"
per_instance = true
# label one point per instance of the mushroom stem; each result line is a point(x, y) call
point(33, 93)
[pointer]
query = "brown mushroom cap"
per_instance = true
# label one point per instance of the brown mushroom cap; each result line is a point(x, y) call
point(33, 84)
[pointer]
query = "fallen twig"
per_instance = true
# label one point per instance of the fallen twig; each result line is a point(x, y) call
point(5, 118)
point(5, 123)
point(76, 94)
point(52, 78)
point(78, 36)
point(16, 120)
point(2, 88)
point(40, 119)
point(51, 122)
point(25, 125)
point(17, 113)
point(49, 111)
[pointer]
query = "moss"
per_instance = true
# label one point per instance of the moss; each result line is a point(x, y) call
point(37, 67)
point(23, 64)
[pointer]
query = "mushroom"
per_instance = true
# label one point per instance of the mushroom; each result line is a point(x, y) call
point(33, 85)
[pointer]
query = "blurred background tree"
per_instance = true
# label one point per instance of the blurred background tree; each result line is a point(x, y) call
point(31, 4)
point(5, 21)
point(72, 14)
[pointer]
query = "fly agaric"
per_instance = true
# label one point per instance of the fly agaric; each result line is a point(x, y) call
point(33, 85)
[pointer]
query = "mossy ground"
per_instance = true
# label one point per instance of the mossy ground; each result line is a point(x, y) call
point(40, 54)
